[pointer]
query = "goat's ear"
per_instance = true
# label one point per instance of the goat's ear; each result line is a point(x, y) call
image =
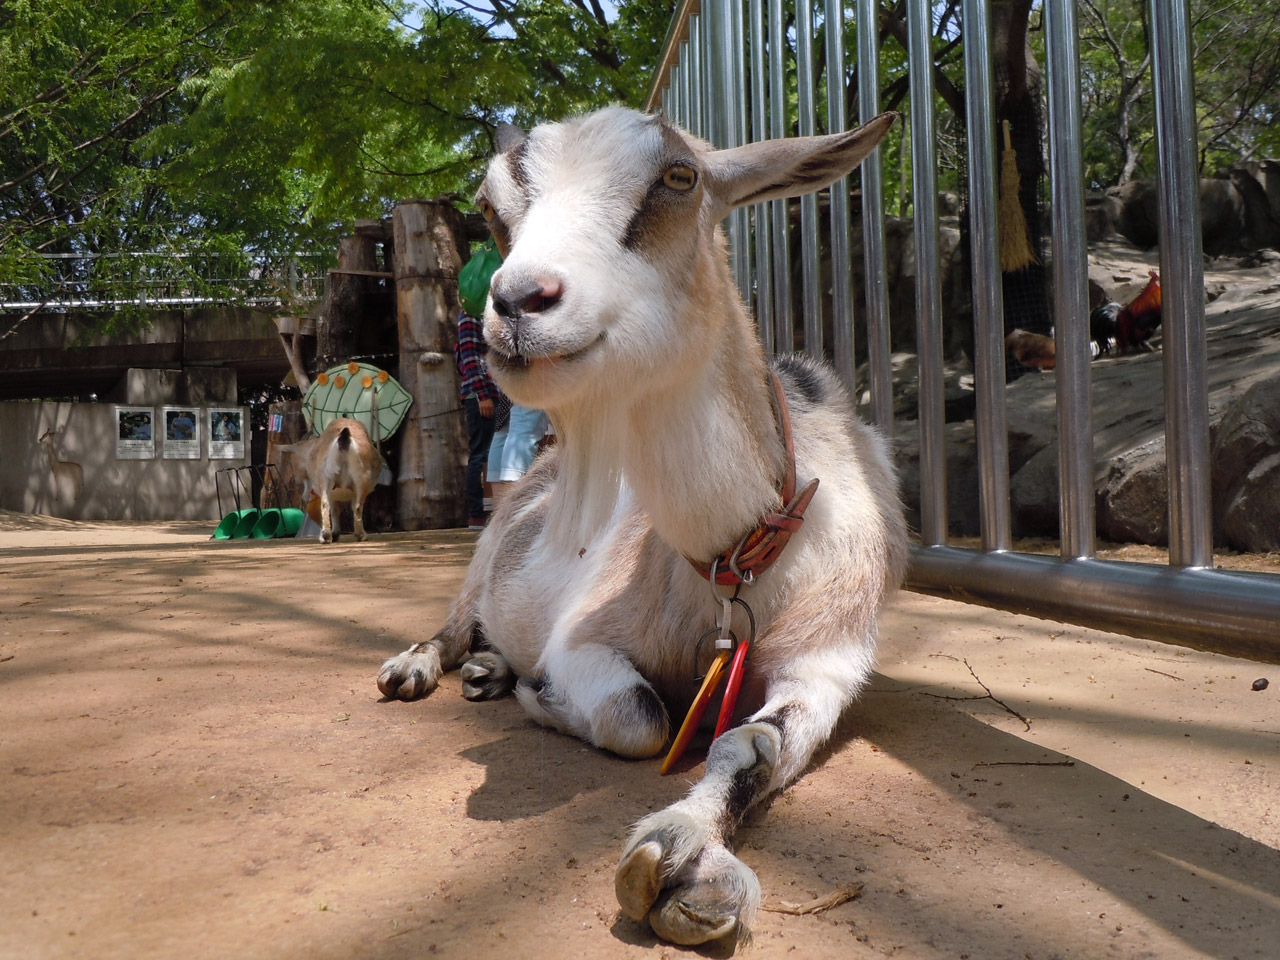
point(508, 137)
point(789, 168)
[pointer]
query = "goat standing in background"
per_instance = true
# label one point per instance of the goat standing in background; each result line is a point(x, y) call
point(340, 464)
point(679, 457)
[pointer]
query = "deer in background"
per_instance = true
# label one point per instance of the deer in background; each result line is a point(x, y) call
point(683, 456)
point(67, 474)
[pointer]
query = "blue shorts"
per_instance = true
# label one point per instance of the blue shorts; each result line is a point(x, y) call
point(514, 447)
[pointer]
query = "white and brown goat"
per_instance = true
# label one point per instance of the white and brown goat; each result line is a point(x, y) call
point(341, 464)
point(615, 312)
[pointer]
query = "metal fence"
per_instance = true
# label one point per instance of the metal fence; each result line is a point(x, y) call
point(111, 281)
point(725, 76)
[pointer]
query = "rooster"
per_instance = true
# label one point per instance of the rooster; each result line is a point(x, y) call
point(1138, 320)
point(1102, 326)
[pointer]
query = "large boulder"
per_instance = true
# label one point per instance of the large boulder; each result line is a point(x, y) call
point(1222, 215)
point(960, 454)
point(1246, 470)
point(1133, 498)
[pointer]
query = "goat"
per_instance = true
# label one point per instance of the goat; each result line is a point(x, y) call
point(67, 474)
point(615, 312)
point(341, 464)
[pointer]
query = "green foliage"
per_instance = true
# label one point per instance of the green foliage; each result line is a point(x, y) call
point(1236, 54)
point(211, 125)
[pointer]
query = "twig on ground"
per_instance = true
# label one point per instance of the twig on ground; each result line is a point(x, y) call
point(841, 894)
point(1163, 674)
point(988, 696)
point(1026, 763)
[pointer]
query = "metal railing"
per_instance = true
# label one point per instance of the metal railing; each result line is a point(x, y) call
point(711, 49)
point(111, 281)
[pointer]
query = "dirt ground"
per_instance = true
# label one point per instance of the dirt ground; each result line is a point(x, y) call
point(195, 762)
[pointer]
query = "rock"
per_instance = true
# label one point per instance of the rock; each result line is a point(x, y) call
point(1246, 469)
point(1033, 496)
point(1224, 225)
point(960, 454)
point(1133, 501)
point(957, 378)
point(1251, 516)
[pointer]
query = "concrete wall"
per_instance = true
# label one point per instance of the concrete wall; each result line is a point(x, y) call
point(111, 489)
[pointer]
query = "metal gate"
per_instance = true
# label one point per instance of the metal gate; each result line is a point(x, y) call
point(724, 76)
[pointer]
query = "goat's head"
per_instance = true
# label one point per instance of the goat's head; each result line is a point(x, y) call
point(605, 224)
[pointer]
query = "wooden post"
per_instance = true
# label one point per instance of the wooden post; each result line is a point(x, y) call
point(347, 301)
point(293, 427)
point(428, 255)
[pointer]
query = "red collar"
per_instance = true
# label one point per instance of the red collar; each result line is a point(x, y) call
point(760, 547)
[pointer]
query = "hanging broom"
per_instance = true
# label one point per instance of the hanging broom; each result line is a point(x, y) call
point(1015, 250)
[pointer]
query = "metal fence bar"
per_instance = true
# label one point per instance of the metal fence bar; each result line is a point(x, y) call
point(807, 83)
point(1070, 284)
point(842, 312)
point(873, 245)
point(988, 299)
point(1233, 613)
point(779, 226)
point(1186, 402)
point(924, 187)
point(760, 43)
point(736, 85)
point(697, 118)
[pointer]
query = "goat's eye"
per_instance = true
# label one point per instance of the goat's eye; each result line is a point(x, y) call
point(680, 177)
point(485, 208)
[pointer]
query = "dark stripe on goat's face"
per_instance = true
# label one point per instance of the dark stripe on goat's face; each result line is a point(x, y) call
point(664, 212)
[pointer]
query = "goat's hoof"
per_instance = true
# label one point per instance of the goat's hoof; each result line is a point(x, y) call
point(486, 676)
point(410, 675)
point(328, 537)
point(710, 896)
point(690, 916)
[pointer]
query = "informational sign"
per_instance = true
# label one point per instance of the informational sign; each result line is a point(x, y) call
point(226, 433)
point(181, 433)
point(135, 433)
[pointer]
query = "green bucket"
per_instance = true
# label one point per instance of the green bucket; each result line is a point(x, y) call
point(245, 526)
point(277, 522)
point(232, 523)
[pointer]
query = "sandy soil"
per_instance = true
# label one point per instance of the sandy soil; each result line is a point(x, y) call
point(195, 762)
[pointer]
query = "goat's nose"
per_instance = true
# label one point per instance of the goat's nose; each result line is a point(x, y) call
point(521, 296)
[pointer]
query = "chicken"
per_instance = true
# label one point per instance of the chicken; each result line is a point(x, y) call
point(1102, 325)
point(1031, 349)
point(1139, 318)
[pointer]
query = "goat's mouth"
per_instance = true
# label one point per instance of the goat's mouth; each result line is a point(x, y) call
point(518, 362)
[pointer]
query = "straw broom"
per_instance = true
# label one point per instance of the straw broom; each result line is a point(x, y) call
point(1015, 251)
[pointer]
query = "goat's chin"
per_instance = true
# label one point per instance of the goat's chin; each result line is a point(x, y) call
point(550, 381)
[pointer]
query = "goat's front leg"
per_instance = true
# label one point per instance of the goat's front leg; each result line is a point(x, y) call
point(594, 692)
point(678, 869)
point(417, 671)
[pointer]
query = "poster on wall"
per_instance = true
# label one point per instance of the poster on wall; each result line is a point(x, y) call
point(135, 434)
point(226, 433)
point(181, 433)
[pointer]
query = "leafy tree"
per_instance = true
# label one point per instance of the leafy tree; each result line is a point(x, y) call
point(212, 125)
point(1236, 52)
